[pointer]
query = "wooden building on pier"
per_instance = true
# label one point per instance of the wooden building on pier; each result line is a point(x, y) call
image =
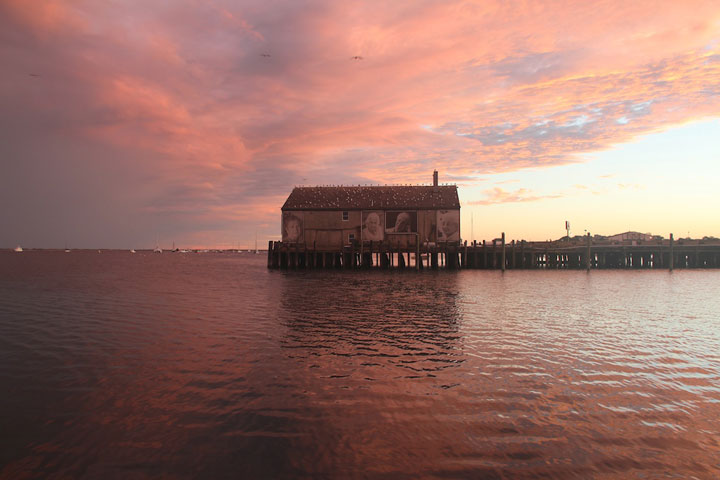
point(328, 218)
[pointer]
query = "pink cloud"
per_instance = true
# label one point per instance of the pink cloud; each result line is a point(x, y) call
point(498, 195)
point(252, 98)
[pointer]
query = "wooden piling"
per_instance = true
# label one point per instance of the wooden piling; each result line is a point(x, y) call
point(503, 251)
point(485, 259)
point(418, 261)
point(512, 255)
point(672, 254)
point(588, 261)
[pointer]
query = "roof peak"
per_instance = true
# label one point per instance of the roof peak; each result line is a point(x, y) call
point(350, 197)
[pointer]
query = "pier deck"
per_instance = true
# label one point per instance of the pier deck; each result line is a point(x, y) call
point(499, 255)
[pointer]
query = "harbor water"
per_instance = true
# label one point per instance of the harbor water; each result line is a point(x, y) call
point(209, 365)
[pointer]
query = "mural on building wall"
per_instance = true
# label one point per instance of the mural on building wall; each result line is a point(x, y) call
point(292, 227)
point(401, 222)
point(426, 225)
point(448, 225)
point(372, 226)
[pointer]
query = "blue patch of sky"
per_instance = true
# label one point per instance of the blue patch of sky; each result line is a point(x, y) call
point(680, 159)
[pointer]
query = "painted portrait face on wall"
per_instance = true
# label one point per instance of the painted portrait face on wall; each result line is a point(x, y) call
point(372, 227)
point(401, 222)
point(292, 223)
point(448, 225)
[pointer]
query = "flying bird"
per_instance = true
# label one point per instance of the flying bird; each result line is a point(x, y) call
point(357, 57)
point(265, 55)
point(33, 74)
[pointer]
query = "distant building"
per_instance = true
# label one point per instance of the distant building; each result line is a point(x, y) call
point(630, 236)
point(330, 217)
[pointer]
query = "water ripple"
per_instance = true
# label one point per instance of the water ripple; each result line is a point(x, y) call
point(211, 366)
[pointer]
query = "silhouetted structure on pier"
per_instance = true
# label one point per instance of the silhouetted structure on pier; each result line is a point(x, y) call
point(419, 227)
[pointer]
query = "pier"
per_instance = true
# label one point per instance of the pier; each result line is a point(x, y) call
point(579, 254)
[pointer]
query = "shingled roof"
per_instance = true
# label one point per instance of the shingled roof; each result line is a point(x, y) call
point(376, 197)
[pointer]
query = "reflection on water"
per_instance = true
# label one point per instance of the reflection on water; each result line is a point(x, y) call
point(211, 366)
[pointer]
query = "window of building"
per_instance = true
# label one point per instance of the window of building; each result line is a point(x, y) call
point(346, 216)
point(351, 237)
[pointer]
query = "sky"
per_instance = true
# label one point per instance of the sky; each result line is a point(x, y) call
point(123, 123)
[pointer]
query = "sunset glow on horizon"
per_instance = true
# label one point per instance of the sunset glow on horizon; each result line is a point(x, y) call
point(192, 121)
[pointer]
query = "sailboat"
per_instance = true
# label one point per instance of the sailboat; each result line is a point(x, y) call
point(256, 249)
point(157, 245)
point(18, 249)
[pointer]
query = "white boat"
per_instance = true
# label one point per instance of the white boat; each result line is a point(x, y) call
point(158, 249)
point(18, 249)
point(132, 250)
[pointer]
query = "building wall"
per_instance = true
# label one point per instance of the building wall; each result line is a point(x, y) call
point(630, 236)
point(326, 229)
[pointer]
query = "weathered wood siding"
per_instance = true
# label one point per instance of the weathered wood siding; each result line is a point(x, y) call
point(326, 229)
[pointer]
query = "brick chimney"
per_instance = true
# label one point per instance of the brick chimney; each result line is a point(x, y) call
point(435, 178)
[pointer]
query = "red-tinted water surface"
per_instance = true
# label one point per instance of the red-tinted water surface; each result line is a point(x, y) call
point(114, 365)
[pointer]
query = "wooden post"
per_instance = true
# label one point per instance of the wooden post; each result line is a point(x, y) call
point(494, 254)
point(417, 252)
point(588, 261)
point(450, 257)
point(503, 251)
point(362, 249)
point(473, 257)
point(485, 260)
point(513, 262)
point(672, 254)
point(269, 255)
